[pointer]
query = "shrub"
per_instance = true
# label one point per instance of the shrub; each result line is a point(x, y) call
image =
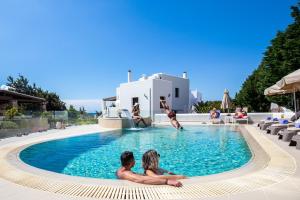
point(46, 114)
point(11, 113)
point(8, 125)
point(86, 121)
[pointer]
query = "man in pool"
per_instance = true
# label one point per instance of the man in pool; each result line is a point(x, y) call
point(128, 162)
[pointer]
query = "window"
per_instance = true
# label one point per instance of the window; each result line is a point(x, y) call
point(162, 98)
point(176, 92)
point(135, 100)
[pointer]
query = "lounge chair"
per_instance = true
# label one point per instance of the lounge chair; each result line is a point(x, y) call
point(269, 120)
point(240, 115)
point(261, 122)
point(287, 134)
point(244, 118)
point(265, 125)
point(295, 141)
point(275, 128)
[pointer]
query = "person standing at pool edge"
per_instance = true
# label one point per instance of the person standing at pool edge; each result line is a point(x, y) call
point(128, 162)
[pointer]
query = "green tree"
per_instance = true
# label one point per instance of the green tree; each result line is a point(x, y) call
point(281, 58)
point(72, 112)
point(205, 107)
point(22, 85)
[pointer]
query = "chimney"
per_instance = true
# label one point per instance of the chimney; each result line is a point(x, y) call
point(184, 75)
point(129, 76)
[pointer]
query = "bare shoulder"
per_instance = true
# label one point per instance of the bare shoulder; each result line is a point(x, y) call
point(150, 173)
point(124, 174)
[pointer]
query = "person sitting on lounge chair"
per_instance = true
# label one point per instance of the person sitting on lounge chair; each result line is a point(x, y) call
point(136, 115)
point(240, 113)
point(171, 114)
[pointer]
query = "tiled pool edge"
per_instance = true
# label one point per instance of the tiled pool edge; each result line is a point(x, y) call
point(280, 166)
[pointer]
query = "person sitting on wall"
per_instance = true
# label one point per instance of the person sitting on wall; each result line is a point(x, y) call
point(128, 162)
point(136, 115)
point(171, 114)
point(214, 114)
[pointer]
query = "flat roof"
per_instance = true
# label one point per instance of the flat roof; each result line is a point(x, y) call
point(6, 95)
point(110, 98)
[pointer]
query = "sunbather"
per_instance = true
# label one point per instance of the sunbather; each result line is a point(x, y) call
point(240, 113)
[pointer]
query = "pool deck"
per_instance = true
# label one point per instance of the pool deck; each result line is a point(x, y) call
point(272, 174)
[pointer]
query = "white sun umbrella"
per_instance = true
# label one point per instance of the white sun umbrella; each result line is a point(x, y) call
point(226, 101)
point(288, 84)
point(273, 90)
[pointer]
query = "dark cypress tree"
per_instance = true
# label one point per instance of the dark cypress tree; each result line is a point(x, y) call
point(281, 58)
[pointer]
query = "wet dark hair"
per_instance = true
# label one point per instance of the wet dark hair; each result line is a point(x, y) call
point(126, 158)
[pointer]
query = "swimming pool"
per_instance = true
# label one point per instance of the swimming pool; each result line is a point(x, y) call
point(195, 151)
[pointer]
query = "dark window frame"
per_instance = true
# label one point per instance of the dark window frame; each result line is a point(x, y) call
point(133, 100)
point(161, 98)
point(176, 92)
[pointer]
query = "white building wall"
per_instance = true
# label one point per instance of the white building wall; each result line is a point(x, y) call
point(180, 104)
point(161, 88)
point(195, 97)
point(140, 89)
point(150, 89)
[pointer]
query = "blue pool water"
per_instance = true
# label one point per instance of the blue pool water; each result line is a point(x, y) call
point(195, 151)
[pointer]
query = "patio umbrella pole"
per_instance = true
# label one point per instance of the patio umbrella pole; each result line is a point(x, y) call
point(295, 102)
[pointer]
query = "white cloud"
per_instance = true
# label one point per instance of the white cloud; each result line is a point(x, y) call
point(90, 105)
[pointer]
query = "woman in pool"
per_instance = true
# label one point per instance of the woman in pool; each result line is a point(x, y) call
point(150, 162)
point(171, 114)
point(136, 114)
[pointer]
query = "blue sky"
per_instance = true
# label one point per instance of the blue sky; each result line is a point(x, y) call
point(83, 49)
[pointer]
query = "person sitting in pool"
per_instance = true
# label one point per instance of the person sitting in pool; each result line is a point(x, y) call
point(136, 115)
point(150, 163)
point(128, 162)
point(171, 114)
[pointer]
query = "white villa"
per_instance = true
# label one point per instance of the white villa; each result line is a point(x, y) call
point(149, 90)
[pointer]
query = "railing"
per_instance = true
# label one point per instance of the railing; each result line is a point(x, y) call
point(24, 126)
point(41, 121)
point(113, 112)
point(204, 117)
